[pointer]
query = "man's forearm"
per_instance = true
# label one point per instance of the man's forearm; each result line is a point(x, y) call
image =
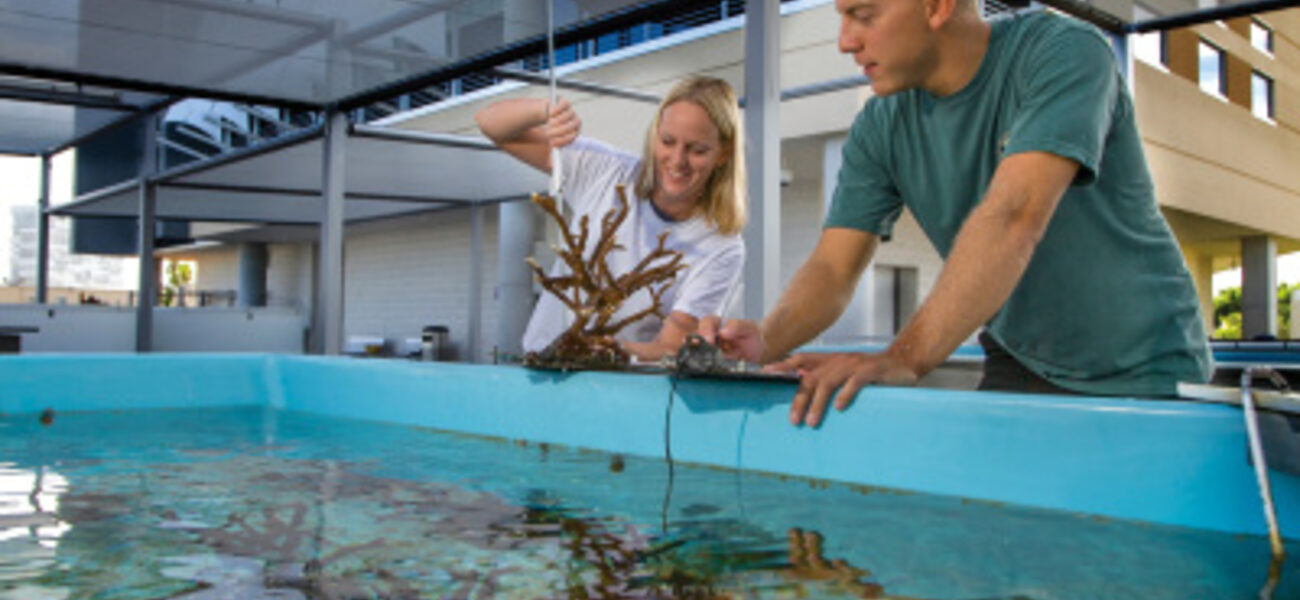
point(810, 304)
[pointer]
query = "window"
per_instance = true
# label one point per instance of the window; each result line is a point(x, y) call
point(1261, 36)
point(1213, 79)
point(1261, 95)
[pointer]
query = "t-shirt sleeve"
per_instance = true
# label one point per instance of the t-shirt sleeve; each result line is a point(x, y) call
point(1069, 93)
point(591, 169)
point(865, 197)
point(710, 289)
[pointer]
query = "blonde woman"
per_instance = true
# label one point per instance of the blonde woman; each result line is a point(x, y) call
point(689, 181)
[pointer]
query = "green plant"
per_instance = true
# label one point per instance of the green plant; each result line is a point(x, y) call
point(1227, 311)
point(179, 275)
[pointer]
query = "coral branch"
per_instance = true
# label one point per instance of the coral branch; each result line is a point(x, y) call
point(594, 293)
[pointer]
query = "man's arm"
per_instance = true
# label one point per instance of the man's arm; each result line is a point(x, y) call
point(988, 258)
point(818, 294)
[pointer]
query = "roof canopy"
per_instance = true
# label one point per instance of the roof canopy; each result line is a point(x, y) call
point(387, 174)
point(68, 67)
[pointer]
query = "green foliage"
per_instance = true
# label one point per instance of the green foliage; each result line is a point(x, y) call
point(1284, 295)
point(179, 275)
point(1229, 328)
point(1227, 312)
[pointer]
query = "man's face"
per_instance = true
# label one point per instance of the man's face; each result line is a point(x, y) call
point(890, 39)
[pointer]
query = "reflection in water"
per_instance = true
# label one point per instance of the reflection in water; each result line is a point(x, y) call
point(196, 505)
point(29, 528)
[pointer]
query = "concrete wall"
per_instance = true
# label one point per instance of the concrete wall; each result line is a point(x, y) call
point(109, 329)
point(403, 275)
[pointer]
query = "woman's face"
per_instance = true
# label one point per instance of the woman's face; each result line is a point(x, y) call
point(687, 148)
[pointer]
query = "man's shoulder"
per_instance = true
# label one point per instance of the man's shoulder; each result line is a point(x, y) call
point(1045, 27)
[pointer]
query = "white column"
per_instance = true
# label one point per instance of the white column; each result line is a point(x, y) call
point(517, 224)
point(474, 352)
point(1258, 286)
point(1295, 316)
point(763, 154)
point(328, 338)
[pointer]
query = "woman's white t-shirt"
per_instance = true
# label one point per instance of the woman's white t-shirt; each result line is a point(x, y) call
point(714, 262)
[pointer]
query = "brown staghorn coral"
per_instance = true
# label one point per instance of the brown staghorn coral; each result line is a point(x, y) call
point(594, 294)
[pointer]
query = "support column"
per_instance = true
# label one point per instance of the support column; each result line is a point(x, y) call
point(328, 309)
point(43, 234)
point(1258, 287)
point(1201, 267)
point(474, 352)
point(516, 226)
point(1295, 316)
point(763, 155)
point(148, 280)
point(253, 260)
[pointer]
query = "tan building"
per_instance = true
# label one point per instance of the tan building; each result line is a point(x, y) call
point(1219, 110)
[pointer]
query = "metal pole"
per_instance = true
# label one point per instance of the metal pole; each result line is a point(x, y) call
point(329, 301)
point(43, 233)
point(475, 332)
point(763, 153)
point(148, 279)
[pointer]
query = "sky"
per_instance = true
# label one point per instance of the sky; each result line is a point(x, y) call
point(20, 184)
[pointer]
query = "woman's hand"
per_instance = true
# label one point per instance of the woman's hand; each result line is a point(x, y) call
point(562, 124)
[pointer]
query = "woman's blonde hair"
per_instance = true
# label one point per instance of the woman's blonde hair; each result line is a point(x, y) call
point(723, 202)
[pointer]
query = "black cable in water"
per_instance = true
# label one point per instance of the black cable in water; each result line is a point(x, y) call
point(668, 447)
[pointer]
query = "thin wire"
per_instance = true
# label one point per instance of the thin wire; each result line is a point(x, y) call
point(668, 447)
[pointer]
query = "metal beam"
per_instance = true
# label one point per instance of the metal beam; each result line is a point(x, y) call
point(65, 98)
point(423, 137)
point(574, 84)
point(1209, 15)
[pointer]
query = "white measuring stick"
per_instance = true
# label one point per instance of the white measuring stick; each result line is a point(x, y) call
point(557, 169)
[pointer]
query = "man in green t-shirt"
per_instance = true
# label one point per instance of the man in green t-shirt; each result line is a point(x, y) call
point(1014, 145)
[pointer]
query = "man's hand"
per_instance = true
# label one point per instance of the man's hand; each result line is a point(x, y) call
point(738, 339)
point(820, 374)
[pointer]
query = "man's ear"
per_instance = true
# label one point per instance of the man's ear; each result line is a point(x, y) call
point(939, 11)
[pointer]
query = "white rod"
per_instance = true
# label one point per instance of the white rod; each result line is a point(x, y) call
point(1261, 467)
point(557, 172)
